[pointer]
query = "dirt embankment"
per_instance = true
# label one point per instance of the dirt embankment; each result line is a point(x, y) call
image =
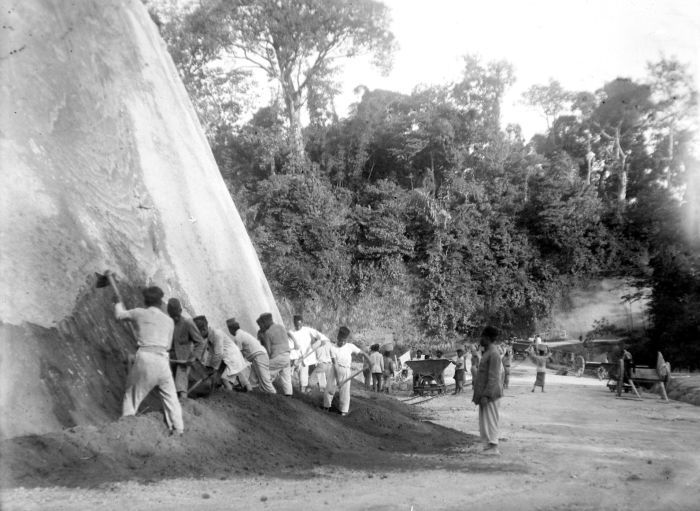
point(227, 434)
point(576, 446)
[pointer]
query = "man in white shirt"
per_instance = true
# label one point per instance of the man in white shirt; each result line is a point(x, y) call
point(341, 369)
point(322, 351)
point(304, 356)
point(151, 366)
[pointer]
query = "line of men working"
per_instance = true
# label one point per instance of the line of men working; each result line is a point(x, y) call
point(191, 345)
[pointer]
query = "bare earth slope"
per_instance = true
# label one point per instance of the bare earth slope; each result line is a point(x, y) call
point(576, 446)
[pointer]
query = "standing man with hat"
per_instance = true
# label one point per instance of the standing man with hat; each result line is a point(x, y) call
point(488, 390)
point(151, 367)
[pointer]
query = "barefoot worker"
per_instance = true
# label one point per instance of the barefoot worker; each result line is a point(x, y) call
point(488, 389)
point(188, 345)
point(254, 353)
point(151, 367)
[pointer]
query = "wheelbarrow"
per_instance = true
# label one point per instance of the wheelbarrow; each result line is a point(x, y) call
point(427, 375)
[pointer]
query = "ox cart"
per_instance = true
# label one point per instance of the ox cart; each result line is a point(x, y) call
point(628, 378)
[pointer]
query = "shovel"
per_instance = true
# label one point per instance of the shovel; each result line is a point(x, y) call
point(199, 382)
point(348, 379)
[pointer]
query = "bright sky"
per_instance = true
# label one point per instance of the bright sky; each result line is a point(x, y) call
point(581, 43)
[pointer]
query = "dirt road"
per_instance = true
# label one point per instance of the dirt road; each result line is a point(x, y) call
point(576, 446)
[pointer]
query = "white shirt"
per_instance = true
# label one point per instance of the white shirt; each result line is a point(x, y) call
point(250, 347)
point(304, 337)
point(343, 355)
point(322, 352)
point(155, 327)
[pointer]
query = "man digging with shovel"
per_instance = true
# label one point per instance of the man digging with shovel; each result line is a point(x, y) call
point(339, 374)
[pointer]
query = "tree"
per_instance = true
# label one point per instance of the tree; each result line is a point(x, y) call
point(297, 43)
point(218, 92)
point(619, 117)
point(675, 111)
point(551, 99)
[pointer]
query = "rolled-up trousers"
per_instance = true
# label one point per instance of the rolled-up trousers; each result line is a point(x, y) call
point(488, 421)
point(150, 370)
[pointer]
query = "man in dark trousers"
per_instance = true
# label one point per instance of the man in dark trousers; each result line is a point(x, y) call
point(188, 346)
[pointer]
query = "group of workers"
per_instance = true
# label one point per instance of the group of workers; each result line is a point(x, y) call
point(174, 348)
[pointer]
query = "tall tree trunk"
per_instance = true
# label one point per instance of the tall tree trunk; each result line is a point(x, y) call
point(296, 139)
point(622, 159)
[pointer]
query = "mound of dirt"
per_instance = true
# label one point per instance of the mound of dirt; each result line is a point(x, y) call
point(227, 434)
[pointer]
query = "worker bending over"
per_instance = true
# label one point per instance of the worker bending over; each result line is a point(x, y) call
point(224, 356)
point(253, 352)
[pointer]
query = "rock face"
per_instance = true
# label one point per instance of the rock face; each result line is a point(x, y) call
point(104, 166)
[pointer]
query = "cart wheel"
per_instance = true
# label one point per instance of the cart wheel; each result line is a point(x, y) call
point(602, 373)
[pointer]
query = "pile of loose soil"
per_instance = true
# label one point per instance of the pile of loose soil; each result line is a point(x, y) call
point(227, 434)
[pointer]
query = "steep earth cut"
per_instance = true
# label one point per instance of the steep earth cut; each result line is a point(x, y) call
point(104, 165)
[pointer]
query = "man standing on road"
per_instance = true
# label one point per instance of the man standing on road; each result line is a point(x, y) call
point(188, 346)
point(151, 367)
point(488, 390)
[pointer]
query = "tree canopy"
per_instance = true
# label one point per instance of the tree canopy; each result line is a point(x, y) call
point(423, 214)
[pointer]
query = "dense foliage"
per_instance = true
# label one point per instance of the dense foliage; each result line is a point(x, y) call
point(421, 215)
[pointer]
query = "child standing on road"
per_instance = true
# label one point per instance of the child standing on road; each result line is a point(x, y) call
point(460, 368)
point(376, 365)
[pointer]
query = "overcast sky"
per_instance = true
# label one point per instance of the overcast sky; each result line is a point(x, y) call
point(581, 43)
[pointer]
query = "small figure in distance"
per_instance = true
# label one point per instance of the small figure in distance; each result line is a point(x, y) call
point(460, 365)
point(376, 366)
point(540, 359)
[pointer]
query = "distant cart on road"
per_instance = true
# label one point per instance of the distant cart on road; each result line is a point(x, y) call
point(427, 375)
